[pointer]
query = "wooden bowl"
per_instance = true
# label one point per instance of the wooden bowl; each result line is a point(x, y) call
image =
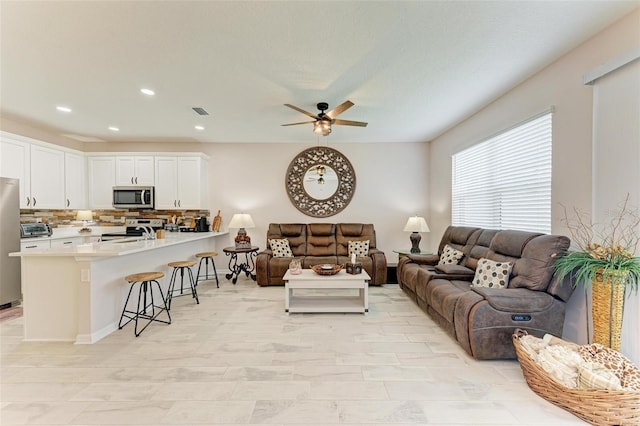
point(324, 270)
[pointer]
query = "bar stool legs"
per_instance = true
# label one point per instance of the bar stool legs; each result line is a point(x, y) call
point(146, 309)
point(207, 257)
point(181, 266)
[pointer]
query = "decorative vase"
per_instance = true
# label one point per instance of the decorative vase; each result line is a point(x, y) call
point(295, 267)
point(607, 308)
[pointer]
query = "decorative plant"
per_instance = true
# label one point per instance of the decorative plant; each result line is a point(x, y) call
point(606, 249)
point(606, 260)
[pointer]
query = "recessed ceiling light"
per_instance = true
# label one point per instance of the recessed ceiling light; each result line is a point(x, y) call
point(63, 108)
point(199, 127)
point(148, 92)
point(114, 129)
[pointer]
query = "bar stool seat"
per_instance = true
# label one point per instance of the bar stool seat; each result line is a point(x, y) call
point(147, 311)
point(181, 265)
point(207, 257)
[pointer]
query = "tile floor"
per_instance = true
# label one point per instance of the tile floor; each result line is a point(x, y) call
point(237, 358)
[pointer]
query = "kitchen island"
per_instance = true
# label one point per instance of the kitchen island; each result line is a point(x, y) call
point(77, 293)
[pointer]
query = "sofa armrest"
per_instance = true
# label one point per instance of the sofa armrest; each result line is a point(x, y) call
point(379, 266)
point(424, 259)
point(517, 300)
point(262, 267)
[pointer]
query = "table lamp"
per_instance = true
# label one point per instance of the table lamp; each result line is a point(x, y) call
point(242, 221)
point(416, 224)
point(85, 216)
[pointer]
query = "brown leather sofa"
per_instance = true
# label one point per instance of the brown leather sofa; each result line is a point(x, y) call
point(318, 243)
point(483, 319)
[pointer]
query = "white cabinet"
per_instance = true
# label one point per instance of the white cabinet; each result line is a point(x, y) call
point(15, 162)
point(47, 178)
point(181, 183)
point(34, 245)
point(134, 171)
point(40, 170)
point(74, 181)
point(102, 179)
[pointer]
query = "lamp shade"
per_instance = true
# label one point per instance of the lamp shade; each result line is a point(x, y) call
point(241, 220)
point(84, 215)
point(416, 224)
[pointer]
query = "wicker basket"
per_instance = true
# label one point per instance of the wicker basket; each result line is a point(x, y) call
point(318, 269)
point(598, 407)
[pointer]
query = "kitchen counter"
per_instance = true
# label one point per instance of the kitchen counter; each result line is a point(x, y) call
point(122, 247)
point(76, 293)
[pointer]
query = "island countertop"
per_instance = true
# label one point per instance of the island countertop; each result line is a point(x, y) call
point(122, 247)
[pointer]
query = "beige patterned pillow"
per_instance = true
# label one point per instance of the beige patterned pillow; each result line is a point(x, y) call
point(360, 248)
point(492, 274)
point(450, 256)
point(280, 247)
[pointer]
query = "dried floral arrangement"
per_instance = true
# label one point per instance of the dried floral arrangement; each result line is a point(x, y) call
point(603, 248)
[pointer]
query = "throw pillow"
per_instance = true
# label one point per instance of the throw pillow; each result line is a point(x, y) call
point(280, 247)
point(492, 274)
point(360, 248)
point(450, 256)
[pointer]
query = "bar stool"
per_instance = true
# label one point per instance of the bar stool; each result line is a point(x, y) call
point(181, 265)
point(207, 257)
point(147, 281)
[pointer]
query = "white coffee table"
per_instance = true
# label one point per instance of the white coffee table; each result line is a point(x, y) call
point(302, 301)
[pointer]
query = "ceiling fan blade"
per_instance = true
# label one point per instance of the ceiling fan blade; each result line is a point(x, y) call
point(301, 110)
point(350, 123)
point(339, 109)
point(295, 124)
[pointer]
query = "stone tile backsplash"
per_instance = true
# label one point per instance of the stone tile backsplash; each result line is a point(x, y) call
point(106, 217)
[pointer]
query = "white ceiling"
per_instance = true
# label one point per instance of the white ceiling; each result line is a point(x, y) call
point(413, 69)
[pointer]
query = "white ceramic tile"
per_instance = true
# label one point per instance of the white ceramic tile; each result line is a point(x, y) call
point(299, 411)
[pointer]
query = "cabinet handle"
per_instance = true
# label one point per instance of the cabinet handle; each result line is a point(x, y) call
point(175, 203)
point(28, 201)
point(178, 203)
point(31, 246)
point(131, 180)
point(136, 180)
point(68, 202)
point(34, 201)
point(68, 242)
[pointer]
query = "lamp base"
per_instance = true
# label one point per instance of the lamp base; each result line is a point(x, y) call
point(242, 240)
point(415, 242)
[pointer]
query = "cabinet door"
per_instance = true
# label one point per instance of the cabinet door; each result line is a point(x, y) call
point(47, 178)
point(67, 242)
point(189, 182)
point(102, 179)
point(75, 182)
point(166, 178)
point(125, 171)
point(144, 171)
point(15, 162)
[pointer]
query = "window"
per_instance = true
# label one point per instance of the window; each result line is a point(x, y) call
point(504, 182)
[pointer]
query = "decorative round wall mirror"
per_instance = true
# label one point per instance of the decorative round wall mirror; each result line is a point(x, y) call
point(320, 182)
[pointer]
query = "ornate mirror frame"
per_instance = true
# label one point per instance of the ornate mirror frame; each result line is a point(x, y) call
point(294, 182)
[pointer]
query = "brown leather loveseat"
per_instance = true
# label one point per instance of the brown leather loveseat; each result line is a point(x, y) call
point(482, 319)
point(319, 243)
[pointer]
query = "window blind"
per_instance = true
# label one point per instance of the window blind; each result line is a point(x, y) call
point(504, 182)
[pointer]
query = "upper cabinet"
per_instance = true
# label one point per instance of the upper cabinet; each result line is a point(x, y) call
point(75, 182)
point(40, 168)
point(181, 182)
point(134, 171)
point(102, 179)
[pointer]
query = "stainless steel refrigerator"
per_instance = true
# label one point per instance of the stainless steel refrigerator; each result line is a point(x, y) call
point(10, 288)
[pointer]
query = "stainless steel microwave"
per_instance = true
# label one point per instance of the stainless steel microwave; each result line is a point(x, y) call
point(133, 197)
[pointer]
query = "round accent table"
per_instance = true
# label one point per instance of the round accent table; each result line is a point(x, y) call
point(248, 266)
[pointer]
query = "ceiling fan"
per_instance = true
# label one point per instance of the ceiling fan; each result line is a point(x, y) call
point(323, 120)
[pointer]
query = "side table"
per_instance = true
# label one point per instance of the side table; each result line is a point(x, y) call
point(248, 266)
point(405, 252)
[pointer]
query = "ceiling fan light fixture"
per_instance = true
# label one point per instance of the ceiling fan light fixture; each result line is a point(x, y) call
point(322, 127)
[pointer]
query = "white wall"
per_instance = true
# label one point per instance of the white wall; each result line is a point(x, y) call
point(560, 84)
point(391, 185)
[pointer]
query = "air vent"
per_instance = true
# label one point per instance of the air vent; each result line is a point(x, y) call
point(200, 111)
